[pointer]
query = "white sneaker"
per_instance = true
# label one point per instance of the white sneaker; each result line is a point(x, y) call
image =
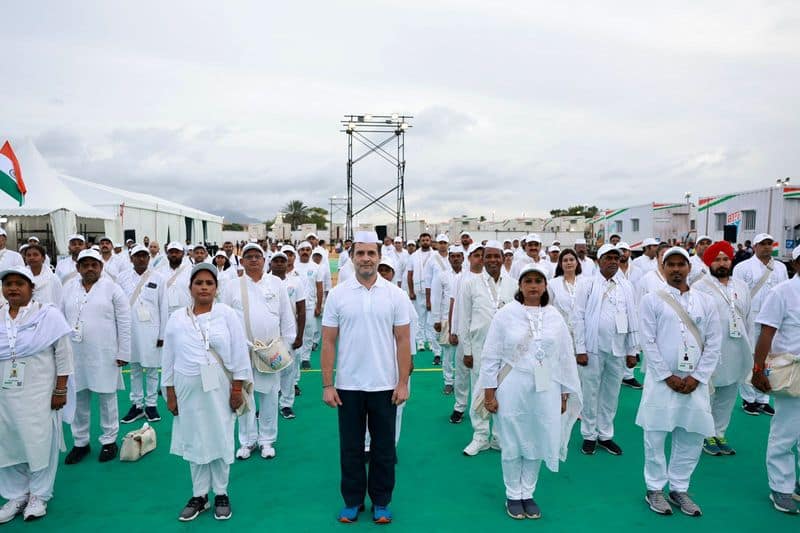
point(420, 346)
point(36, 508)
point(11, 509)
point(475, 447)
point(244, 452)
point(267, 451)
point(493, 444)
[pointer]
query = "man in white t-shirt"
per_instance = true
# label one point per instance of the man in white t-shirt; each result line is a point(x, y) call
point(366, 332)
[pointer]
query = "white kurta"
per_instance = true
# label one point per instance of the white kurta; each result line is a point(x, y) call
point(562, 296)
point(751, 271)
point(646, 264)
point(593, 299)
point(271, 315)
point(10, 258)
point(177, 286)
point(311, 274)
point(66, 269)
point(203, 430)
point(664, 341)
point(698, 271)
point(47, 287)
point(477, 305)
point(588, 267)
point(650, 282)
point(417, 262)
point(27, 423)
point(529, 423)
point(736, 353)
point(525, 260)
point(104, 315)
point(149, 314)
point(436, 263)
point(442, 290)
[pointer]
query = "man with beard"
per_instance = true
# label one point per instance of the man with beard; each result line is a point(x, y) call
point(533, 247)
point(699, 268)
point(67, 267)
point(176, 274)
point(111, 265)
point(732, 299)
point(416, 284)
point(466, 240)
point(605, 323)
point(588, 266)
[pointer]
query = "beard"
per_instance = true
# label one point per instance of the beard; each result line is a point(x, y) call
point(720, 272)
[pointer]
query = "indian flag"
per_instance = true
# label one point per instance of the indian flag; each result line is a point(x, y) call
point(10, 175)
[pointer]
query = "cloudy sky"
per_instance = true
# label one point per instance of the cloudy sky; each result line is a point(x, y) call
point(519, 107)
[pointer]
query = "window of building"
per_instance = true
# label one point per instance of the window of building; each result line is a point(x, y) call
point(719, 221)
point(618, 226)
point(529, 223)
point(635, 224)
point(749, 220)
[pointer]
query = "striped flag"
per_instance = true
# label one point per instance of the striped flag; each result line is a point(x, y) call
point(10, 175)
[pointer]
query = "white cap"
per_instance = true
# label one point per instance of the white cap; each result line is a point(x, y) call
point(411, 243)
point(312, 235)
point(199, 245)
point(138, 248)
point(304, 244)
point(553, 249)
point(580, 240)
point(398, 239)
point(442, 238)
point(117, 245)
point(468, 234)
point(278, 255)
point(3, 232)
point(675, 250)
point(622, 245)
point(455, 249)
point(533, 237)
point(649, 242)
point(509, 241)
point(252, 246)
point(606, 248)
point(221, 253)
point(34, 238)
point(615, 234)
point(556, 242)
point(95, 247)
point(474, 247)
point(75, 236)
point(174, 245)
point(763, 237)
point(129, 240)
point(387, 261)
point(533, 267)
point(288, 248)
point(24, 247)
point(493, 244)
point(318, 251)
point(20, 270)
point(105, 238)
point(90, 254)
point(509, 251)
point(366, 237)
point(796, 253)
point(704, 238)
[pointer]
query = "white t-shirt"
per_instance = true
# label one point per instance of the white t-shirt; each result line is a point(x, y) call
point(781, 310)
point(366, 351)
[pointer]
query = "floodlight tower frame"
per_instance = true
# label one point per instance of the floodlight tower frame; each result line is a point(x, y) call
point(375, 132)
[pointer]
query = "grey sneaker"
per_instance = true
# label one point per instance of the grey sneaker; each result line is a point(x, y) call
point(783, 502)
point(515, 510)
point(682, 500)
point(194, 507)
point(655, 499)
point(796, 494)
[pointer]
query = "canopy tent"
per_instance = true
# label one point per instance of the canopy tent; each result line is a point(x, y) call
point(50, 206)
point(66, 204)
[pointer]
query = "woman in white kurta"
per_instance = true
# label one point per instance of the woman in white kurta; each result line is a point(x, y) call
point(203, 345)
point(225, 271)
point(529, 343)
point(46, 285)
point(34, 342)
point(566, 281)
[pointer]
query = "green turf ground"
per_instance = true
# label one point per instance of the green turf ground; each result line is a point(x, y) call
point(438, 489)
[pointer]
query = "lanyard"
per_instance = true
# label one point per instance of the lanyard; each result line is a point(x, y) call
point(536, 330)
point(492, 292)
point(688, 309)
point(11, 331)
point(204, 333)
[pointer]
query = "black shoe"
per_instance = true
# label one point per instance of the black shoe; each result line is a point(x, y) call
point(134, 414)
point(437, 360)
point(632, 383)
point(222, 507)
point(297, 391)
point(610, 446)
point(151, 413)
point(305, 365)
point(515, 510)
point(76, 454)
point(588, 447)
point(314, 347)
point(531, 509)
point(194, 507)
point(287, 413)
point(448, 390)
point(751, 408)
point(456, 417)
point(108, 452)
point(766, 409)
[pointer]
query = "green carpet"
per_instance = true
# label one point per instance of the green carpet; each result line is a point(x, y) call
point(438, 489)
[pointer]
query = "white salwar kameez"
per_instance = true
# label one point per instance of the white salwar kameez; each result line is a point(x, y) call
point(47, 287)
point(177, 285)
point(529, 425)
point(781, 310)
point(442, 289)
point(662, 411)
point(30, 428)
point(271, 315)
point(202, 433)
point(736, 353)
point(149, 314)
point(103, 318)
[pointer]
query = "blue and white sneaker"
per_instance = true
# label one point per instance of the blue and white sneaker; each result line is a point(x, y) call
point(381, 514)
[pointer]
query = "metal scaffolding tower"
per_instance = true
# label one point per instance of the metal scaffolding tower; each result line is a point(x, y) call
point(377, 133)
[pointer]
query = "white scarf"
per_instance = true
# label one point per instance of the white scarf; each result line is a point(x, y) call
point(40, 326)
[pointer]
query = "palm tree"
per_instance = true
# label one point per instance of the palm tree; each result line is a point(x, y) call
point(295, 213)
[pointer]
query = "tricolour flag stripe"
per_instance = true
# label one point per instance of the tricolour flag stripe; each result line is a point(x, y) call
point(11, 181)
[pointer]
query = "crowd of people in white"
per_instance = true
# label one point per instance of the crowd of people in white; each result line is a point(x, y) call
point(529, 341)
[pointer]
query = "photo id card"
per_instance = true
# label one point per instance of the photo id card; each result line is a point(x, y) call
point(209, 377)
point(14, 375)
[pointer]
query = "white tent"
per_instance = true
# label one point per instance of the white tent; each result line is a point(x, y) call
point(50, 206)
point(65, 204)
